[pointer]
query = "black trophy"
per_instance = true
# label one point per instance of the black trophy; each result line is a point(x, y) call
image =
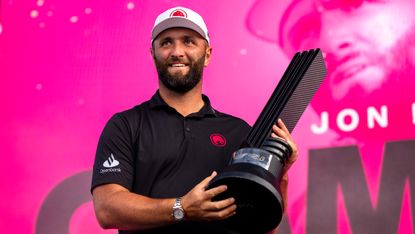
point(254, 173)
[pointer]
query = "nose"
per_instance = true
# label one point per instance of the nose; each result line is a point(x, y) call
point(178, 50)
point(337, 37)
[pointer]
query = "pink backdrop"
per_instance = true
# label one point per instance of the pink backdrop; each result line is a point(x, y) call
point(67, 66)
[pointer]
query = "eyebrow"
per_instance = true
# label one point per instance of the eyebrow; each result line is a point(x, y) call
point(186, 36)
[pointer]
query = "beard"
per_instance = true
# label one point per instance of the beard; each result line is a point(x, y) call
point(178, 82)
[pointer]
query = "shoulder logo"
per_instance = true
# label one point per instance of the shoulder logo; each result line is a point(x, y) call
point(111, 162)
point(217, 140)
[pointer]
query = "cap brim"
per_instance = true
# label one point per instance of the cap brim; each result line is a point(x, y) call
point(176, 22)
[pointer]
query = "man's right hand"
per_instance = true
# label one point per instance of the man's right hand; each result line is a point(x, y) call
point(198, 204)
point(117, 207)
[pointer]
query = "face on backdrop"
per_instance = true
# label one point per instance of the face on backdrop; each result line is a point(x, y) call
point(180, 55)
point(369, 50)
point(369, 45)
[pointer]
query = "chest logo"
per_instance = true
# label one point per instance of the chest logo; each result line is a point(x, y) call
point(217, 140)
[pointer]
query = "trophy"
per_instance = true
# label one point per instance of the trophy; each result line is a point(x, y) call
point(254, 173)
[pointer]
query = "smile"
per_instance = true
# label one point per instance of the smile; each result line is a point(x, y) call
point(178, 65)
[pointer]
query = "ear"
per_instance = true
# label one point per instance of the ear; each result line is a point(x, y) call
point(152, 51)
point(208, 55)
point(152, 54)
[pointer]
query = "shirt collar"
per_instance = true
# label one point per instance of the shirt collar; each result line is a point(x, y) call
point(157, 102)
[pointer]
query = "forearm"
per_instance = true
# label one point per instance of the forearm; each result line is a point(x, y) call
point(116, 207)
point(121, 209)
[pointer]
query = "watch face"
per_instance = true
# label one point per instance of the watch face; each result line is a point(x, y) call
point(178, 214)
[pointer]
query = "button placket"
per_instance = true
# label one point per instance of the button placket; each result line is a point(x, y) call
point(186, 127)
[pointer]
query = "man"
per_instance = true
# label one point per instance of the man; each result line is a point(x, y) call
point(154, 161)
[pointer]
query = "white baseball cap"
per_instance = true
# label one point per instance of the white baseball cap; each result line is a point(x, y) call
point(180, 17)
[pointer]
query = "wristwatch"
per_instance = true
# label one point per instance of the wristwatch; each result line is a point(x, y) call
point(178, 212)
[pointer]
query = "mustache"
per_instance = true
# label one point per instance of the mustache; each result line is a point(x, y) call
point(177, 60)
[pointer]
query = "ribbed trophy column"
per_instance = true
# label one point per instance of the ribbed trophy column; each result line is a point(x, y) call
point(254, 173)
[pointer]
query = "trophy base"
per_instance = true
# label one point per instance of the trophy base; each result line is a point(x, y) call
point(259, 204)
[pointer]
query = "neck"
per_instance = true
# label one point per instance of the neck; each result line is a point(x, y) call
point(184, 103)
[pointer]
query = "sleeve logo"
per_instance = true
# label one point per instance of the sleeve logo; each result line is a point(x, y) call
point(111, 162)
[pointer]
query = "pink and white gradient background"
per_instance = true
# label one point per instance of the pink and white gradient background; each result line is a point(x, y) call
point(67, 66)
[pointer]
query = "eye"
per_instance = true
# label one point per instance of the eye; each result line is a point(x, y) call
point(165, 42)
point(188, 40)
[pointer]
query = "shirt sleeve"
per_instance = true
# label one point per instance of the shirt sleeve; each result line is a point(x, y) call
point(115, 155)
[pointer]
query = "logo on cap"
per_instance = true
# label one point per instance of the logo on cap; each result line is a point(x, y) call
point(178, 13)
point(217, 140)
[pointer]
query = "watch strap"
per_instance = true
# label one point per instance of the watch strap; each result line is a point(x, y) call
point(178, 211)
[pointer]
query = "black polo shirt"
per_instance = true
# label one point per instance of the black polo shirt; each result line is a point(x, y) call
point(154, 151)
